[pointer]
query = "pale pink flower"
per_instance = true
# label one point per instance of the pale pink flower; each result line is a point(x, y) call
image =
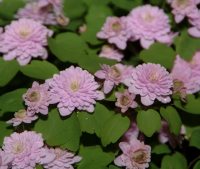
point(25, 148)
point(187, 74)
point(5, 160)
point(111, 52)
point(37, 98)
point(63, 159)
point(195, 22)
point(136, 155)
point(21, 117)
point(151, 81)
point(125, 100)
point(24, 39)
point(149, 24)
point(113, 75)
point(74, 88)
point(184, 8)
point(115, 31)
point(82, 28)
point(132, 132)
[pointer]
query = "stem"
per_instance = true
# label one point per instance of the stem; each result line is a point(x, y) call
point(193, 161)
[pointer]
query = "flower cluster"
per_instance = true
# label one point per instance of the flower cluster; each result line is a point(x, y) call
point(26, 149)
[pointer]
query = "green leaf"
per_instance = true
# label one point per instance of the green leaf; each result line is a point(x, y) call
point(149, 122)
point(94, 157)
point(9, 7)
point(195, 139)
point(68, 47)
point(96, 2)
point(197, 165)
point(39, 167)
point(5, 73)
point(95, 13)
point(12, 101)
point(172, 117)
point(161, 149)
point(192, 105)
point(114, 128)
point(59, 131)
point(74, 9)
point(176, 161)
point(113, 167)
point(127, 4)
point(5, 131)
point(159, 53)
point(39, 69)
point(187, 45)
point(153, 166)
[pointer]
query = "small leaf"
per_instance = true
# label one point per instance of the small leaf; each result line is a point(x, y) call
point(159, 53)
point(193, 44)
point(5, 73)
point(197, 165)
point(161, 149)
point(172, 117)
point(126, 4)
point(12, 101)
point(39, 69)
point(149, 122)
point(60, 132)
point(195, 139)
point(94, 157)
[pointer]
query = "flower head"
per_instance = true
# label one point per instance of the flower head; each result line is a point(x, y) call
point(151, 81)
point(149, 24)
point(63, 159)
point(115, 31)
point(136, 155)
point(195, 22)
point(25, 148)
point(111, 52)
point(132, 132)
point(113, 75)
point(186, 74)
point(24, 39)
point(5, 160)
point(37, 98)
point(74, 88)
point(22, 117)
point(125, 100)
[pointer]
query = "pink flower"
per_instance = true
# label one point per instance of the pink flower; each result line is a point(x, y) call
point(25, 148)
point(183, 8)
point(113, 75)
point(151, 81)
point(74, 88)
point(132, 132)
point(136, 155)
point(195, 22)
point(125, 100)
point(21, 117)
point(149, 24)
point(111, 52)
point(24, 39)
point(115, 31)
point(63, 160)
point(5, 160)
point(37, 98)
point(187, 74)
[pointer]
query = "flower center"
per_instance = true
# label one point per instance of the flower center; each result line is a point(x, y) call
point(148, 17)
point(74, 86)
point(154, 76)
point(139, 156)
point(34, 96)
point(24, 32)
point(18, 148)
point(115, 72)
point(182, 3)
point(20, 114)
point(124, 100)
point(116, 26)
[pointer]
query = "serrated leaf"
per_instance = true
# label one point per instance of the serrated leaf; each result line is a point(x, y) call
point(127, 4)
point(6, 75)
point(149, 121)
point(187, 45)
point(113, 129)
point(59, 131)
point(161, 149)
point(5, 131)
point(197, 165)
point(172, 117)
point(94, 157)
point(195, 139)
point(39, 69)
point(12, 101)
point(159, 53)
point(68, 47)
